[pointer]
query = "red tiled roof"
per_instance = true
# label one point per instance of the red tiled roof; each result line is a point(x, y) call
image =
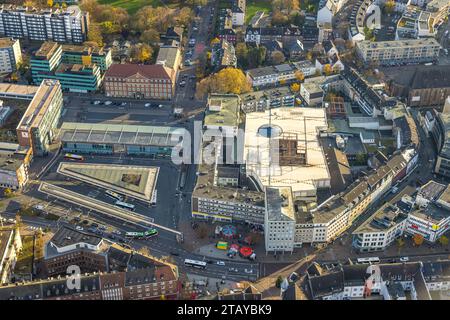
point(149, 71)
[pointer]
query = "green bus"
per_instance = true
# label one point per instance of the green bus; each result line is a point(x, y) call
point(152, 232)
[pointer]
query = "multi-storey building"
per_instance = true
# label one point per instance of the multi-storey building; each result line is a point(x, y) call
point(279, 74)
point(155, 281)
point(72, 247)
point(10, 54)
point(440, 133)
point(262, 100)
point(60, 25)
point(279, 222)
point(336, 214)
point(87, 55)
point(398, 51)
point(140, 81)
point(13, 173)
point(223, 55)
point(394, 281)
point(431, 216)
point(78, 68)
point(385, 225)
point(10, 246)
point(238, 12)
point(37, 128)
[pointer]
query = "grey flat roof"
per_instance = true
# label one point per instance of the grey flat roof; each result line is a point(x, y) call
point(118, 134)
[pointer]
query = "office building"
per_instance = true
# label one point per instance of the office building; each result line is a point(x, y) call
point(279, 222)
point(37, 128)
point(140, 81)
point(78, 68)
point(69, 25)
point(10, 55)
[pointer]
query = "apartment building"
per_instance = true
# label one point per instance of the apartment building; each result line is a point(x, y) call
point(37, 128)
point(279, 222)
point(223, 55)
point(10, 55)
point(69, 25)
point(394, 281)
point(140, 81)
point(398, 51)
point(157, 281)
point(385, 225)
point(13, 172)
point(258, 101)
point(312, 92)
point(238, 10)
point(279, 74)
point(336, 214)
point(10, 246)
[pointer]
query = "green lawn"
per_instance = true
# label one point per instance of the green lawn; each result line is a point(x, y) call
point(132, 5)
point(256, 5)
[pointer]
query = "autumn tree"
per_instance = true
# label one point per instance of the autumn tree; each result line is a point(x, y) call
point(279, 19)
point(389, 6)
point(95, 34)
point(327, 69)
point(242, 54)
point(418, 239)
point(295, 87)
point(8, 192)
point(50, 3)
point(142, 53)
point(228, 80)
point(214, 41)
point(277, 57)
point(150, 36)
point(299, 75)
point(184, 16)
point(29, 3)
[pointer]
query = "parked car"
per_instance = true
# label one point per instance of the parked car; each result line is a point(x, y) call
point(249, 271)
point(107, 103)
point(79, 228)
point(220, 263)
point(147, 105)
point(233, 270)
point(404, 259)
point(176, 254)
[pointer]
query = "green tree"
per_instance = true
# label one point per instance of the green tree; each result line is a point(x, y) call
point(443, 240)
point(95, 34)
point(278, 282)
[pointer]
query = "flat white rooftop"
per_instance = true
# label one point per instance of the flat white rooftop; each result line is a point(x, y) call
point(297, 159)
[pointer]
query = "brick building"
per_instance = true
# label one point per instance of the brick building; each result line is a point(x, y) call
point(140, 81)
